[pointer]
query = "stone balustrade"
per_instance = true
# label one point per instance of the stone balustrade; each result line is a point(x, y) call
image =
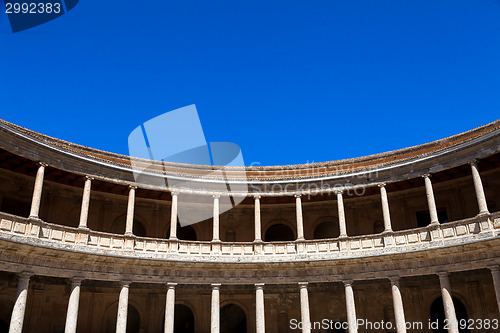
point(50, 235)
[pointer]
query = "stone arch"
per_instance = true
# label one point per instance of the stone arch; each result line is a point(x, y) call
point(184, 318)
point(6, 306)
point(279, 230)
point(233, 317)
point(118, 226)
point(133, 317)
point(326, 227)
point(436, 312)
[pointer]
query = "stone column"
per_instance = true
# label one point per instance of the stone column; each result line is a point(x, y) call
point(37, 191)
point(430, 199)
point(84, 213)
point(173, 217)
point(17, 318)
point(340, 208)
point(74, 300)
point(215, 232)
point(478, 186)
point(121, 319)
point(397, 301)
point(449, 308)
point(385, 208)
point(350, 306)
point(170, 308)
point(495, 272)
point(215, 326)
point(259, 308)
point(258, 232)
point(129, 227)
point(300, 223)
point(304, 308)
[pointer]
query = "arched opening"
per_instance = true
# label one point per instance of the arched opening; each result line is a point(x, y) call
point(183, 319)
point(437, 314)
point(133, 319)
point(137, 229)
point(279, 232)
point(184, 233)
point(232, 319)
point(327, 229)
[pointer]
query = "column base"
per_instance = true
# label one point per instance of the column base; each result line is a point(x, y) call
point(483, 213)
point(34, 219)
point(129, 234)
point(84, 228)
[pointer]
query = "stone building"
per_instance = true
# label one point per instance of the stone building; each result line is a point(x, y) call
point(408, 237)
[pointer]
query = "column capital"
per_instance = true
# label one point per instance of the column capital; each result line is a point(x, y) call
point(394, 279)
point(216, 196)
point(42, 164)
point(442, 274)
point(473, 162)
point(132, 187)
point(381, 185)
point(174, 192)
point(26, 274)
point(303, 284)
point(494, 267)
point(125, 283)
point(426, 175)
point(215, 286)
point(348, 282)
point(171, 285)
point(257, 197)
point(77, 280)
point(337, 192)
point(88, 177)
point(297, 196)
point(259, 286)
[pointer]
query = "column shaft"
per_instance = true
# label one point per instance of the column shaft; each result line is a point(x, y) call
point(397, 301)
point(73, 304)
point(17, 318)
point(340, 208)
point(215, 232)
point(495, 273)
point(300, 223)
point(260, 321)
point(170, 308)
point(84, 213)
point(449, 308)
point(478, 186)
point(37, 191)
point(121, 319)
point(430, 200)
point(173, 217)
point(129, 227)
point(304, 308)
point(385, 208)
point(215, 328)
point(258, 233)
point(350, 307)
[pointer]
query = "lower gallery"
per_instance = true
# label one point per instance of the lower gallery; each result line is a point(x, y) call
point(404, 241)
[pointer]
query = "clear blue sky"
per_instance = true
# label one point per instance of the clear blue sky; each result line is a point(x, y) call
point(288, 81)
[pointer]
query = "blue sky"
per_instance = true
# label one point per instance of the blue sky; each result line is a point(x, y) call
point(288, 81)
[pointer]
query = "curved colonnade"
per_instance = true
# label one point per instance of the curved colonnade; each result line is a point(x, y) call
point(31, 246)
